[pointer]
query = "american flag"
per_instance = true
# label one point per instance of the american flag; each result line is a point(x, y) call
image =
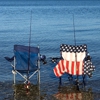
point(73, 60)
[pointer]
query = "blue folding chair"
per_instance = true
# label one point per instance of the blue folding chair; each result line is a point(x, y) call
point(26, 62)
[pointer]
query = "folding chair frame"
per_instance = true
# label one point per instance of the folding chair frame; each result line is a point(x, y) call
point(14, 71)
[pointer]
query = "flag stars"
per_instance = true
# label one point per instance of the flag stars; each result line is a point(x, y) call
point(72, 48)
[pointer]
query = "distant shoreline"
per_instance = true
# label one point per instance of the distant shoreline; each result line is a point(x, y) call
point(49, 3)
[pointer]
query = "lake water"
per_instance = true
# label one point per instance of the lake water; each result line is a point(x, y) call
point(52, 25)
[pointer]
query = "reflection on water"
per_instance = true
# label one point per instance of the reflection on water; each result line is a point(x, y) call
point(49, 91)
point(72, 93)
point(21, 93)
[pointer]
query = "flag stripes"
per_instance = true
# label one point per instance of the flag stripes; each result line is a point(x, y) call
point(74, 68)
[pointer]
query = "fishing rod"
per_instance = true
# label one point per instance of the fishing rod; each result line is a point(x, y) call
point(74, 30)
point(75, 47)
point(29, 45)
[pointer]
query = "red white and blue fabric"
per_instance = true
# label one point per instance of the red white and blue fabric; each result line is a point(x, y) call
point(72, 62)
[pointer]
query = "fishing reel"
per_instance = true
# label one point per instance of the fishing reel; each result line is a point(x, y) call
point(43, 59)
point(88, 57)
point(55, 59)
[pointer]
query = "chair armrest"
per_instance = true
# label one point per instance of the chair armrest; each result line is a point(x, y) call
point(9, 59)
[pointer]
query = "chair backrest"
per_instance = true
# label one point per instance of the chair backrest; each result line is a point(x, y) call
point(69, 52)
point(74, 57)
point(26, 57)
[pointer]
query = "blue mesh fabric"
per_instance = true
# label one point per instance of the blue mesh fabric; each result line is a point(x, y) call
point(24, 59)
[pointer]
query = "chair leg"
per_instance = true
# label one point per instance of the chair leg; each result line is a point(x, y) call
point(84, 83)
point(70, 77)
point(60, 81)
point(14, 79)
point(38, 76)
point(39, 84)
point(14, 71)
point(77, 81)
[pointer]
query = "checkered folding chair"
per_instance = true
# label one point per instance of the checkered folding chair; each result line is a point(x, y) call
point(26, 62)
point(75, 62)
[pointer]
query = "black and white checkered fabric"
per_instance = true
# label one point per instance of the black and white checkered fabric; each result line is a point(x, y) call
point(88, 67)
point(73, 48)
